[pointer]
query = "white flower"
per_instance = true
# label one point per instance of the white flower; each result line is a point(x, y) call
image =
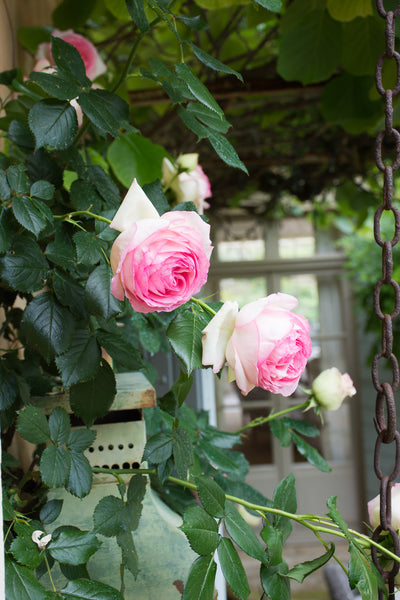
point(330, 388)
point(374, 508)
point(37, 537)
point(134, 207)
point(217, 334)
point(187, 180)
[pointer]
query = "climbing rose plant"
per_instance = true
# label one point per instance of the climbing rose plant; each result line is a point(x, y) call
point(87, 279)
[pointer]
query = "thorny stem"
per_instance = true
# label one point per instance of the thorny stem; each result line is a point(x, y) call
point(303, 520)
point(261, 420)
point(203, 305)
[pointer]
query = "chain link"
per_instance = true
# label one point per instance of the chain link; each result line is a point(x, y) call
point(385, 408)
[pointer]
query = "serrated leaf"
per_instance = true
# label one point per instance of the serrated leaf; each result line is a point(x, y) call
point(274, 540)
point(53, 123)
point(81, 439)
point(211, 496)
point(57, 84)
point(335, 515)
point(138, 15)
point(83, 196)
point(21, 583)
point(99, 298)
point(24, 550)
point(55, 464)
point(158, 448)
point(8, 387)
point(226, 151)
point(72, 546)
point(201, 578)
point(59, 425)
point(275, 585)
point(80, 475)
point(363, 575)
point(197, 88)
point(73, 572)
point(18, 179)
point(200, 529)
point(104, 185)
point(20, 134)
point(51, 511)
point(84, 589)
point(106, 110)
point(32, 425)
point(72, 14)
point(213, 63)
point(303, 427)
point(273, 5)
point(47, 325)
point(111, 516)
point(285, 499)
point(302, 570)
point(243, 535)
point(42, 189)
point(120, 349)
point(155, 194)
point(185, 334)
point(6, 230)
point(69, 62)
point(69, 293)
point(92, 399)
point(88, 249)
point(23, 267)
point(208, 117)
point(182, 451)
point(310, 453)
point(130, 558)
point(232, 569)
point(281, 431)
point(231, 463)
point(82, 360)
point(135, 495)
point(5, 191)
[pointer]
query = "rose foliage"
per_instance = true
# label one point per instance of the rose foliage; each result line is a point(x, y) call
point(86, 279)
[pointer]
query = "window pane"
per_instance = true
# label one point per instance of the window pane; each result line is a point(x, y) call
point(239, 239)
point(305, 288)
point(242, 289)
point(296, 238)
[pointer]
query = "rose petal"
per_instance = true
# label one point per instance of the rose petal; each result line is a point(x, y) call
point(217, 334)
point(135, 207)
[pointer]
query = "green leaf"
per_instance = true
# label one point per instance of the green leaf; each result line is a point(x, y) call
point(21, 583)
point(226, 151)
point(311, 50)
point(274, 540)
point(53, 123)
point(98, 296)
point(272, 5)
point(5, 191)
point(111, 516)
point(158, 448)
point(200, 529)
point(208, 117)
point(31, 37)
point(106, 110)
point(302, 570)
point(243, 535)
point(155, 194)
point(105, 186)
point(335, 515)
point(84, 589)
point(310, 453)
point(23, 267)
point(182, 451)
point(55, 464)
point(72, 572)
point(51, 511)
point(32, 214)
point(232, 569)
point(8, 387)
point(83, 195)
point(81, 439)
point(281, 431)
point(18, 179)
point(82, 360)
point(80, 475)
point(201, 578)
point(32, 425)
point(302, 427)
point(24, 550)
point(211, 496)
point(59, 426)
point(123, 352)
point(363, 575)
point(275, 585)
point(360, 51)
point(69, 62)
point(135, 495)
point(285, 499)
point(88, 249)
point(185, 334)
point(70, 293)
point(42, 189)
point(47, 325)
point(231, 463)
point(130, 558)
point(133, 155)
point(197, 88)
point(214, 63)
point(92, 399)
point(6, 228)
point(138, 15)
point(72, 546)
point(72, 14)
point(57, 84)
point(20, 134)
point(347, 11)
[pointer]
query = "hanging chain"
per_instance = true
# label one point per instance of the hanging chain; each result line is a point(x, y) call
point(385, 416)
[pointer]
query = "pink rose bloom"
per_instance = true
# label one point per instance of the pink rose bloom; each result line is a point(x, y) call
point(159, 263)
point(330, 388)
point(269, 345)
point(191, 185)
point(374, 508)
point(93, 64)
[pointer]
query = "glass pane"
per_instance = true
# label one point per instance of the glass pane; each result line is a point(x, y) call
point(296, 238)
point(241, 250)
point(240, 240)
point(242, 289)
point(305, 288)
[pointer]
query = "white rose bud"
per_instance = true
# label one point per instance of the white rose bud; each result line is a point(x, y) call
point(374, 509)
point(187, 162)
point(330, 388)
point(40, 539)
point(217, 334)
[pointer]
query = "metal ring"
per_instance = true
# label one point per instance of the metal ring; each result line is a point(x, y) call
point(377, 305)
point(375, 374)
point(388, 189)
point(377, 225)
point(383, 12)
point(378, 149)
point(386, 426)
point(377, 452)
point(387, 336)
point(378, 73)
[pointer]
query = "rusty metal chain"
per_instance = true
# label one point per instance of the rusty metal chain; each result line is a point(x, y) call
point(385, 408)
